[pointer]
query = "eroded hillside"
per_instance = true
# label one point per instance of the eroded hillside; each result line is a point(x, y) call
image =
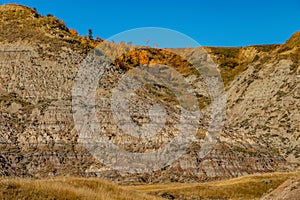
point(40, 58)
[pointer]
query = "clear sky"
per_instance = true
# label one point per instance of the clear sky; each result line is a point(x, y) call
point(209, 22)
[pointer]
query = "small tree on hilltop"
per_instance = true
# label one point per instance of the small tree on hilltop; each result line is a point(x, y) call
point(90, 34)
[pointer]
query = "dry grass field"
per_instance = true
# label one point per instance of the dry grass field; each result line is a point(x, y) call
point(247, 187)
point(67, 188)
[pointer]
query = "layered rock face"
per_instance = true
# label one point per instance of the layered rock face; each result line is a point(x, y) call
point(37, 72)
point(39, 62)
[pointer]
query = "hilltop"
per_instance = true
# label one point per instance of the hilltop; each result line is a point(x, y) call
point(20, 23)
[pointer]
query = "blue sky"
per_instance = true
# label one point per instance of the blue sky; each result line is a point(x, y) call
point(209, 22)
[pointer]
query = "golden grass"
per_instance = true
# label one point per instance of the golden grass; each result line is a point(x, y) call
point(247, 187)
point(294, 40)
point(66, 188)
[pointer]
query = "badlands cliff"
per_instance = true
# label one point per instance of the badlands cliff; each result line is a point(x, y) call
point(39, 61)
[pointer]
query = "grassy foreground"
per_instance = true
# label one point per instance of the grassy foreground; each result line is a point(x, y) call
point(247, 187)
point(67, 188)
